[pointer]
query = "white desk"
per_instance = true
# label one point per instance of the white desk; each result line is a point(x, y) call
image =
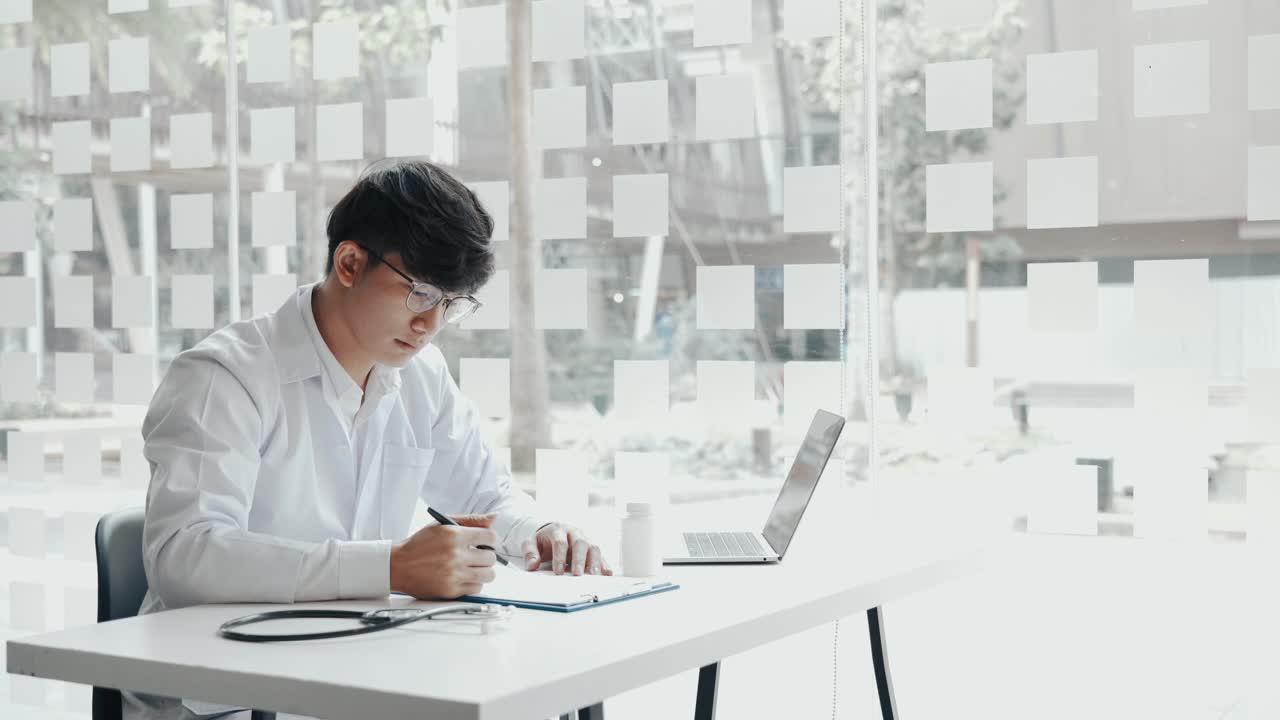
point(542, 664)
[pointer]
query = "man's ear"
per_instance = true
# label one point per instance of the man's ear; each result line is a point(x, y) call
point(348, 260)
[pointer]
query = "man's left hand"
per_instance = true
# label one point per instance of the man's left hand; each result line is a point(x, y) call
point(568, 549)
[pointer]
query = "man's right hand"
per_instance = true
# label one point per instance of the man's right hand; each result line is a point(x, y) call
point(441, 562)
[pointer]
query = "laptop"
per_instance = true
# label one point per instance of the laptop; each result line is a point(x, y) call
point(769, 545)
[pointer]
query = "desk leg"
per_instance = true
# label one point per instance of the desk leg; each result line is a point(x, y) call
point(262, 715)
point(884, 685)
point(708, 681)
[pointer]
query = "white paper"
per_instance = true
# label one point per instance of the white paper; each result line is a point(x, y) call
point(335, 50)
point(641, 477)
point(807, 386)
point(724, 107)
point(726, 297)
point(958, 95)
point(274, 218)
point(132, 301)
point(560, 117)
point(811, 199)
point(959, 197)
point(27, 532)
point(1062, 87)
point(640, 205)
point(560, 208)
point(809, 19)
point(642, 389)
point(560, 481)
point(721, 22)
point(958, 14)
point(18, 220)
point(133, 378)
point(26, 606)
point(1064, 500)
point(15, 74)
point(1171, 79)
point(191, 140)
point(130, 144)
point(17, 302)
point(560, 300)
point(410, 126)
point(812, 296)
point(191, 221)
point(495, 304)
point(18, 377)
point(482, 36)
point(70, 147)
point(82, 457)
point(1264, 182)
point(129, 65)
point(559, 30)
point(544, 586)
point(271, 135)
point(192, 301)
point(15, 11)
point(73, 224)
point(73, 377)
point(340, 129)
point(1264, 58)
point(641, 113)
point(1062, 297)
point(495, 198)
point(270, 57)
point(727, 392)
point(73, 301)
point(271, 291)
point(487, 381)
point(1062, 192)
point(69, 71)
point(26, 457)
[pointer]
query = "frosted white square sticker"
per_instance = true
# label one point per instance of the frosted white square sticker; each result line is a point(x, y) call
point(640, 205)
point(726, 296)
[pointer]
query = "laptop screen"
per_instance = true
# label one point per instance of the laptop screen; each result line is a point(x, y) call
point(803, 478)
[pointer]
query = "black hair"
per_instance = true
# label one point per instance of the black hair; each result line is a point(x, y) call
point(418, 210)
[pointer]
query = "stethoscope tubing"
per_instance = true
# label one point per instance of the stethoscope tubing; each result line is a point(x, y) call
point(371, 621)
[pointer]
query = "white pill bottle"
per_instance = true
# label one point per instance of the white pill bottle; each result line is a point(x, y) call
point(641, 556)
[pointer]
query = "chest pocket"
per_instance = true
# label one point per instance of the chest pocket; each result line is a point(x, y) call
point(404, 470)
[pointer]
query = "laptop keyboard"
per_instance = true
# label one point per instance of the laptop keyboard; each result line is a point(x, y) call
point(722, 544)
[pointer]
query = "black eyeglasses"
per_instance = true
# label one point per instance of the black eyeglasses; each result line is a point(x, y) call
point(425, 296)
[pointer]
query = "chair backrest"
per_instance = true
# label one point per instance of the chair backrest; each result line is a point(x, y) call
point(122, 583)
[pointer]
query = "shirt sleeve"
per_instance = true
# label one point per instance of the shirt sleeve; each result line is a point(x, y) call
point(202, 438)
point(467, 476)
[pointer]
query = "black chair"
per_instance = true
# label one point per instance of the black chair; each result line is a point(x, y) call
point(122, 583)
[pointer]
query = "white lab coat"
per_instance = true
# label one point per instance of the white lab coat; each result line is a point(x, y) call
point(272, 482)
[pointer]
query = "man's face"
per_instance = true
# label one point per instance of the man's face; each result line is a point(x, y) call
point(382, 323)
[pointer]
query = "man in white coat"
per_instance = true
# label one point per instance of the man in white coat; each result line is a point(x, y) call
point(288, 451)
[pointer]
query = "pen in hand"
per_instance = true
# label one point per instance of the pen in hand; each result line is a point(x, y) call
point(446, 520)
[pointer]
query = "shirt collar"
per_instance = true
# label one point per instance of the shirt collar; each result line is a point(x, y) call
point(302, 352)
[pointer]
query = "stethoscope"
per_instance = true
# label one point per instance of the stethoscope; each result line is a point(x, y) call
point(370, 621)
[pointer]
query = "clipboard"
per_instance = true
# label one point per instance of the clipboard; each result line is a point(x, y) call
point(539, 591)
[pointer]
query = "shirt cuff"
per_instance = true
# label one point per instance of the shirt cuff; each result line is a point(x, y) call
point(521, 530)
point(364, 569)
